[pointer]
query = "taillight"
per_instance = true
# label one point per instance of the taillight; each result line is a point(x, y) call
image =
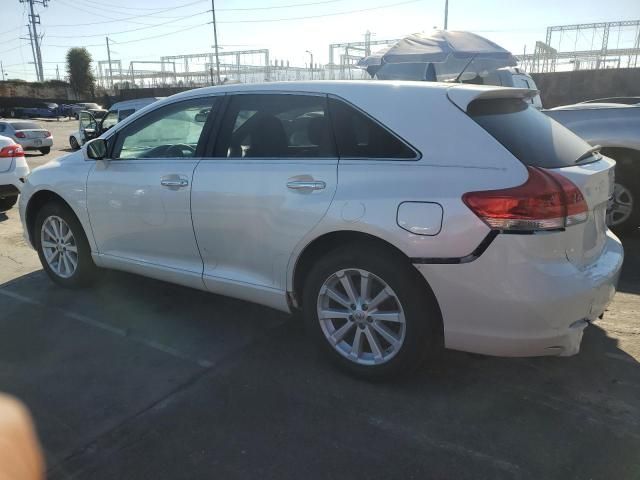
point(47, 134)
point(11, 151)
point(21, 135)
point(546, 201)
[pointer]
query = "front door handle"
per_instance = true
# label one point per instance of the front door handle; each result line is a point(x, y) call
point(306, 185)
point(174, 182)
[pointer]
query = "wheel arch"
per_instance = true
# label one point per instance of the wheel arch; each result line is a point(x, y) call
point(626, 158)
point(36, 202)
point(321, 245)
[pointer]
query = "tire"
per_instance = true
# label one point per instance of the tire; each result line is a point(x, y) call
point(418, 337)
point(626, 197)
point(74, 143)
point(76, 116)
point(45, 150)
point(85, 271)
point(7, 203)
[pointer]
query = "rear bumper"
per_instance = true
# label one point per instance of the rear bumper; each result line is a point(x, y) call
point(507, 303)
point(35, 143)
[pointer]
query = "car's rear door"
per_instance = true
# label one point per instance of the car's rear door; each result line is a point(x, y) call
point(271, 178)
point(139, 200)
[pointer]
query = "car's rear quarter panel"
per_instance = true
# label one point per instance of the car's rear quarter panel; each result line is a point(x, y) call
point(457, 156)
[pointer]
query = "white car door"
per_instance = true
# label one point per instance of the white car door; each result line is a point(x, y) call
point(139, 199)
point(272, 178)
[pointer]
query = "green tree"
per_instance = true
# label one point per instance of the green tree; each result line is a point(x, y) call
point(79, 69)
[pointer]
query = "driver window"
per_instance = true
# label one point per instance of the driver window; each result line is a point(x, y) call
point(170, 132)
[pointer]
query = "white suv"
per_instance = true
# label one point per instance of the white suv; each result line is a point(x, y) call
point(399, 217)
point(13, 170)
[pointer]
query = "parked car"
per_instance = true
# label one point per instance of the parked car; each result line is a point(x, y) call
point(28, 134)
point(91, 125)
point(79, 107)
point(399, 217)
point(89, 119)
point(615, 127)
point(42, 110)
point(13, 170)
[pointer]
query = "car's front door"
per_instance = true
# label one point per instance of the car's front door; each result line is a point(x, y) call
point(139, 199)
point(271, 179)
point(88, 127)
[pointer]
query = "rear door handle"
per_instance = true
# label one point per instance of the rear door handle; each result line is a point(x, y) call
point(306, 185)
point(174, 182)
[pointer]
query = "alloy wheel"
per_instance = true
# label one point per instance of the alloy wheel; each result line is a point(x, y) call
point(361, 316)
point(59, 246)
point(620, 206)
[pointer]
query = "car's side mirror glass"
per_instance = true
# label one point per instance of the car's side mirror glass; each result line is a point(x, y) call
point(201, 117)
point(97, 149)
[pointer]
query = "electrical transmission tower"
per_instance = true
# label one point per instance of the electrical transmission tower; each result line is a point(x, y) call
point(34, 20)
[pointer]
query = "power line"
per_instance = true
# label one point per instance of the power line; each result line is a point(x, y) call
point(137, 39)
point(131, 30)
point(324, 14)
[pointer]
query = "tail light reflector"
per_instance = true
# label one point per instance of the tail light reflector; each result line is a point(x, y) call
point(11, 151)
point(546, 201)
point(21, 135)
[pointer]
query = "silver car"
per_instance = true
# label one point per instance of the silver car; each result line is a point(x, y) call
point(28, 134)
point(400, 218)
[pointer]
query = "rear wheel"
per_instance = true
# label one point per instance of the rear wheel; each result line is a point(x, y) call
point(62, 246)
point(45, 150)
point(7, 203)
point(74, 143)
point(371, 312)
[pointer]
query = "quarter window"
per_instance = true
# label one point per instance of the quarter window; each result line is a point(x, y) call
point(358, 136)
point(276, 126)
point(170, 132)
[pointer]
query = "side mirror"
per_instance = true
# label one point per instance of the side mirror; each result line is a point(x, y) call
point(97, 149)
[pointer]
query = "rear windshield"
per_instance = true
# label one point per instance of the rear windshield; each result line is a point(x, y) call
point(531, 136)
point(25, 125)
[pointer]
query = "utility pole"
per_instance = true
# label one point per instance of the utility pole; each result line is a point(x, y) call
point(33, 51)
point(34, 20)
point(446, 14)
point(109, 59)
point(215, 40)
point(310, 62)
point(2, 70)
point(57, 73)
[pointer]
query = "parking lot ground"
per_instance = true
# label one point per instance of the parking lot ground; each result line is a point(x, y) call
point(137, 378)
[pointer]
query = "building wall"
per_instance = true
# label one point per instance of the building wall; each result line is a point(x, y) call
point(564, 88)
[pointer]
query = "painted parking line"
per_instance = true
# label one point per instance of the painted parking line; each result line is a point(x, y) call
point(108, 328)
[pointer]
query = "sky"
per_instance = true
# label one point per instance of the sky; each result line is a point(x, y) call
point(144, 30)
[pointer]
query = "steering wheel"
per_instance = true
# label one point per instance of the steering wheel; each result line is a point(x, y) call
point(178, 150)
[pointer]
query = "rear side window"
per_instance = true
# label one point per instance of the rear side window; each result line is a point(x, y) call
point(276, 126)
point(358, 136)
point(531, 136)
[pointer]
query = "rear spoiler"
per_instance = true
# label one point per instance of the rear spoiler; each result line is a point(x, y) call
point(462, 96)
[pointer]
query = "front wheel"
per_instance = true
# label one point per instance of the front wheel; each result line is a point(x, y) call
point(62, 246)
point(371, 312)
point(74, 143)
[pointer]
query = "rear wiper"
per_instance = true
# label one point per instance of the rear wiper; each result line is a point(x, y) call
point(589, 153)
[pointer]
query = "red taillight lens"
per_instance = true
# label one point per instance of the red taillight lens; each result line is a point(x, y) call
point(11, 151)
point(546, 201)
point(21, 135)
point(47, 134)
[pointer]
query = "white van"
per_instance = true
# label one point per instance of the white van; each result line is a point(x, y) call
point(91, 127)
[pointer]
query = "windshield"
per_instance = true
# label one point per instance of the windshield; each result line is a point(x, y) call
point(24, 125)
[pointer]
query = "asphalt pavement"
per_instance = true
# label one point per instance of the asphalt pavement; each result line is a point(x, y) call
point(138, 378)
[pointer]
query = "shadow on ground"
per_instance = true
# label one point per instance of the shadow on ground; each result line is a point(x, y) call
point(142, 379)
